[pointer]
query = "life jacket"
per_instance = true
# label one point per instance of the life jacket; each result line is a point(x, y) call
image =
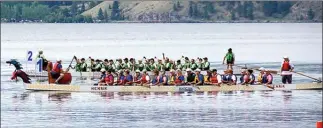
point(227, 79)
point(253, 78)
point(172, 79)
point(259, 78)
point(265, 80)
point(107, 79)
point(177, 80)
point(121, 78)
point(196, 80)
point(241, 78)
point(126, 78)
point(143, 78)
point(214, 79)
point(229, 57)
point(154, 80)
point(136, 78)
point(207, 78)
point(161, 80)
point(55, 68)
point(286, 66)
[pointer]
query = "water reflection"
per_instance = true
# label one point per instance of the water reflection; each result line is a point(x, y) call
point(59, 96)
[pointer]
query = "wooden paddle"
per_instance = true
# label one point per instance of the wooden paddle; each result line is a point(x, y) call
point(307, 76)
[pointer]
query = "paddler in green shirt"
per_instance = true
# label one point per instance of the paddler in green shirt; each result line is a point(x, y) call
point(98, 65)
point(206, 64)
point(187, 64)
point(147, 66)
point(118, 64)
point(160, 66)
point(179, 66)
point(153, 65)
point(126, 64)
point(105, 64)
point(200, 64)
point(193, 65)
point(168, 65)
point(140, 65)
point(132, 65)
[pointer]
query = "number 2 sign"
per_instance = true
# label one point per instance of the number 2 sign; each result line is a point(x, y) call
point(29, 56)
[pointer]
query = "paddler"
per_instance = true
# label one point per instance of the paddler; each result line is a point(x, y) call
point(145, 79)
point(41, 55)
point(128, 78)
point(108, 79)
point(140, 65)
point(126, 64)
point(121, 78)
point(200, 64)
point(172, 77)
point(207, 77)
point(180, 79)
point(206, 64)
point(252, 77)
point(118, 64)
point(286, 70)
point(168, 65)
point(163, 79)
point(147, 66)
point(268, 78)
point(81, 65)
point(229, 78)
point(215, 78)
point(199, 78)
point(155, 80)
point(190, 76)
point(137, 78)
point(260, 75)
point(160, 65)
point(230, 59)
point(179, 65)
point(102, 76)
point(243, 76)
point(111, 66)
point(98, 65)
point(153, 65)
point(193, 65)
point(132, 64)
point(57, 71)
point(187, 64)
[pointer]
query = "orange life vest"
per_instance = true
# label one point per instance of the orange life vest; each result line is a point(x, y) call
point(214, 79)
point(55, 68)
point(286, 66)
point(177, 80)
point(143, 78)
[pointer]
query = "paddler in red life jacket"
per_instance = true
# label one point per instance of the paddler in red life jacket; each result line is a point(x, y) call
point(128, 78)
point(57, 71)
point(215, 78)
point(180, 79)
point(137, 78)
point(286, 70)
point(145, 78)
point(108, 79)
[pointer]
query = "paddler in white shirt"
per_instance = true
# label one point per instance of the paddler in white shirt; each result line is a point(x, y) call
point(286, 70)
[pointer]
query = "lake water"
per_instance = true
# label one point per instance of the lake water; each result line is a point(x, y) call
point(254, 44)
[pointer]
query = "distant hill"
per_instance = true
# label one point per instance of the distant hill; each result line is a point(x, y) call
point(161, 11)
point(150, 11)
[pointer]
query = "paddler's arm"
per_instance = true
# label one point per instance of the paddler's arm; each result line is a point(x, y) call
point(224, 58)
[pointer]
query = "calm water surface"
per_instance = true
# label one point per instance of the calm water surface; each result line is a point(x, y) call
point(250, 42)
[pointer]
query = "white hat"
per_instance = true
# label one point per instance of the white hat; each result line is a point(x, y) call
point(172, 70)
point(58, 59)
point(198, 70)
point(261, 68)
point(137, 70)
point(285, 57)
point(102, 70)
point(188, 70)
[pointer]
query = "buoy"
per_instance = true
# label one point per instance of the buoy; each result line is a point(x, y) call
point(319, 124)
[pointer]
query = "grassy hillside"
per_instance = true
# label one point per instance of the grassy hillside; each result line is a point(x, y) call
point(222, 11)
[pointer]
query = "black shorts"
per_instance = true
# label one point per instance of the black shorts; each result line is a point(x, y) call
point(287, 78)
point(55, 75)
point(229, 62)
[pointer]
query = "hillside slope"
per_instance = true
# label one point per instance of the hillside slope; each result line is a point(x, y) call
point(208, 11)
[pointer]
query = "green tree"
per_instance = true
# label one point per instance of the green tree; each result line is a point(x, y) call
point(178, 5)
point(174, 7)
point(82, 7)
point(110, 6)
point(195, 10)
point(106, 17)
point(310, 14)
point(92, 4)
point(190, 11)
point(206, 13)
point(100, 14)
point(115, 13)
point(74, 9)
point(233, 15)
